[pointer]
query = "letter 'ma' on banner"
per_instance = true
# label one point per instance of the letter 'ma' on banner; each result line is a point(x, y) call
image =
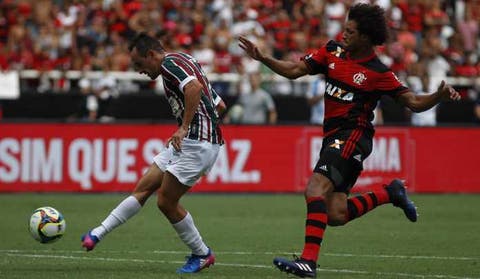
point(105, 158)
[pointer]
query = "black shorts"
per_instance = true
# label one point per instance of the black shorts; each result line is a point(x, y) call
point(342, 156)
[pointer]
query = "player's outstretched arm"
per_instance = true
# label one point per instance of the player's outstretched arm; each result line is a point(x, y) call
point(419, 103)
point(288, 69)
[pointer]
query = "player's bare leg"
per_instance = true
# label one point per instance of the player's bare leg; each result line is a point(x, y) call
point(146, 186)
point(337, 208)
point(168, 202)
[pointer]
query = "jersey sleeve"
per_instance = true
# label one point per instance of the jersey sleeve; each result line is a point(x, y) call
point(317, 61)
point(177, 72)
point(390, 85)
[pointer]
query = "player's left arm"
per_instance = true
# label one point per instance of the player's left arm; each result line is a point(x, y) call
point(192, 92)
point(419, 103)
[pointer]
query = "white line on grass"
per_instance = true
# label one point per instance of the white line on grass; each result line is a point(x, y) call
point(419, 257)
point(409, 275)
point(412, 257)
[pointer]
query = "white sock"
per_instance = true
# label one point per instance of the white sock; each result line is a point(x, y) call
point(124, 211)
point(190, 236)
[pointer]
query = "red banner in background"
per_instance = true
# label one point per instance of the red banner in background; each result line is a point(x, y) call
point(102, 158)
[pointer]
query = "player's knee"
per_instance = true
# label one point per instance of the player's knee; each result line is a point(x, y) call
point(337, 218)
point(143, 191)
point(165, 205)
point(337, 210)
point(318, 186)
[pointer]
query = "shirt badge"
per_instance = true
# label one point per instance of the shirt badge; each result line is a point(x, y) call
point(359, 78)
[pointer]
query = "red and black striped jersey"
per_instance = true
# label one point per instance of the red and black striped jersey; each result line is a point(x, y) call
point(177, 70)
point(353, 87)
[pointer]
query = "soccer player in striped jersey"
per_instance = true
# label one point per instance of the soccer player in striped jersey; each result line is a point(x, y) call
point(190, 153)
point(356, 79)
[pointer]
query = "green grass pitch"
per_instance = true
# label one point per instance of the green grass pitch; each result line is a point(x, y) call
point(246, 232)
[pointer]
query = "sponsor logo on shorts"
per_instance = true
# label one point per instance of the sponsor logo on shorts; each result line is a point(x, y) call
point(358, 157)
point(337, 143)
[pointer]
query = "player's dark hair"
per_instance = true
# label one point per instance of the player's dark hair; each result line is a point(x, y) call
point(143, 43)
point(370, 21)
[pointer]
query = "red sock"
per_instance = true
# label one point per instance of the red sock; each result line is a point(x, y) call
point(361, 204)
point(314, 228)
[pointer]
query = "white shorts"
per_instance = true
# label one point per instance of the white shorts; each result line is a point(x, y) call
point(194, 160)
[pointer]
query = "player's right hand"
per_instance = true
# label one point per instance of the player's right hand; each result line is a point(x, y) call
point(176, 139)
point(250, 48)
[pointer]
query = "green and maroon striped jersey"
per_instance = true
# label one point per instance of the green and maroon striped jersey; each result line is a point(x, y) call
point(177, 70)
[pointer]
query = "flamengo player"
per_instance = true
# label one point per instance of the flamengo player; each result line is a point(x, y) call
point(356, 79)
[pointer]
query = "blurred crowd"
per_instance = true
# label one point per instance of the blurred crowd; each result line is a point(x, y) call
point(75, 34)
point(429, 39)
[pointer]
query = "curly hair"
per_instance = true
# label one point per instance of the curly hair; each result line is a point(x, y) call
point(143, 42)
point(370, 21)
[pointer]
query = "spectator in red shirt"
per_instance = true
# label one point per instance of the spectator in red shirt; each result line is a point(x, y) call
point(413, 12)
point(468, 67)
point(222, 63)
point(434, 15)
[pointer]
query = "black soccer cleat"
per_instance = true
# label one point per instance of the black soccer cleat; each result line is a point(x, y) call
point(298, 267)
point(399, 198)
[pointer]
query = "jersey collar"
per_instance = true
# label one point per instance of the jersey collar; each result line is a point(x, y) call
point(361, 60)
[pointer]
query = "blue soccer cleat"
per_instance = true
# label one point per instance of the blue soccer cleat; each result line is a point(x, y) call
point(89, 241)
point(195, 263)
point(399, 198)
point(298, 267)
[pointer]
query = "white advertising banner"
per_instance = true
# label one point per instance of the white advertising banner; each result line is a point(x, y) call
point(9, 85)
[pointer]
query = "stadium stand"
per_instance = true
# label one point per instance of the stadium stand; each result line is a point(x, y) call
point(55, 44)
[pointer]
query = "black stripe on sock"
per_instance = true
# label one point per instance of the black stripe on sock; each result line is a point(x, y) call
point(352, 209)
point(313, 239)
point(374, 199)
point(316, 223)
point(317, 206)
point(363, 201)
